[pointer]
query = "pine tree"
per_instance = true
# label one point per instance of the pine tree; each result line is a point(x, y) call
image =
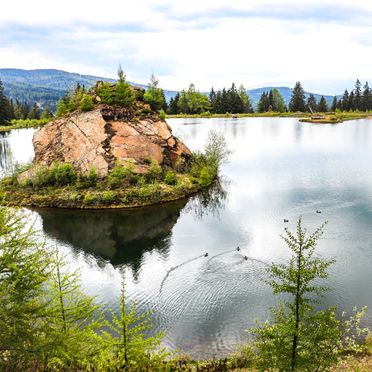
point(35, 112)
point(334, 104)
point(73, 320)
point(173, 105)
point(352, 106)
point(247, 105)
point(192, 101)
point(299, 337)
point(297, 102)
point(4, 107)
point(278, 101)
point(311, 103)
point(323, 105)
point(263, 103)
point(345, 101)
point(235, 104)
point(366, 97)
point(212, 100)
point(154, 96)
point(132, 349)
point(357, 102)
point(24, 271)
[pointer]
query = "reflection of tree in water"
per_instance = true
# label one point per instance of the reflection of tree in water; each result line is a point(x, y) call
point(121, 236)
point(5, 153)
point(211, 200)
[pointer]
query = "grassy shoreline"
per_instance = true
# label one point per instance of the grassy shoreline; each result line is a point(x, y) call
point(329, 118)
point(22, 124)
point(71, 197)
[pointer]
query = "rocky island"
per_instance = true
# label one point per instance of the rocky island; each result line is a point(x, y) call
point(110, 147)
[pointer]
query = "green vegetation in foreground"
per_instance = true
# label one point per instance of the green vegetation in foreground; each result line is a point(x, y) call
point(48, 324)
point(27, 123)
point(59, 185)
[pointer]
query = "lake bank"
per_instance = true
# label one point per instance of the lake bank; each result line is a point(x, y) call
point(326, 118)
point(22, 124)
point(95, 198)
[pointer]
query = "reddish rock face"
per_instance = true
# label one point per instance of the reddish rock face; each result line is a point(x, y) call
point(87, 140)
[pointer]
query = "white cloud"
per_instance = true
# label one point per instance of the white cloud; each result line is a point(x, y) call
point(209, 43)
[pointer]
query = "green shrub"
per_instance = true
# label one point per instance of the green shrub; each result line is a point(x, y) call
point(62, 174)
point(86, 103)
point(162, 115)
point(88, 180)
point(106, 93)
point(107, 197)
point(206, 177)
point(124, 94)
point(170, 178)
point(42, 177)
point(154, 172)
point(122, 176)
point(89, 198)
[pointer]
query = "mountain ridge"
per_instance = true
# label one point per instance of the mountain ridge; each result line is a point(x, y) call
point(47, 86)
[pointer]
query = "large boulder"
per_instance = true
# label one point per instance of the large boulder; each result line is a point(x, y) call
point(96, 139)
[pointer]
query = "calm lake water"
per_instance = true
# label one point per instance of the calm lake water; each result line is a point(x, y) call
point(280, 168)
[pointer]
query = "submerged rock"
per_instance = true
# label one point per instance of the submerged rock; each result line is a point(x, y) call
point(102, 137)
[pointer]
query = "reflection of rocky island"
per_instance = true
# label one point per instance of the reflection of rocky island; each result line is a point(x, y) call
point(121, 236)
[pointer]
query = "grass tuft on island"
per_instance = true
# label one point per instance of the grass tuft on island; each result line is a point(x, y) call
point(60, 186)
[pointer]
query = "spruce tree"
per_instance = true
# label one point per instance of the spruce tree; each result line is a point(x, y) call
point(154, 96)
point(352, 106)
point(323, 105)
point(366, 97)
point(35, 112)
point(345, 101)
point(334, 104)
point(357, 102)
point(130, 347)
point(297, 102)
point(278, 101)
point(4, 107)
point(299, 337)
point(212, 100)
point(173, 105)
point(247, 105)
point(73, 321)
point(263, 103)
point(311, 103)
point(24, 271)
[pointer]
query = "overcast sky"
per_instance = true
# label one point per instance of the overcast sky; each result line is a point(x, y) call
point(325, 44)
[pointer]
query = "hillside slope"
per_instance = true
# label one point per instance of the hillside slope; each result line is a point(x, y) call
point(47, 86)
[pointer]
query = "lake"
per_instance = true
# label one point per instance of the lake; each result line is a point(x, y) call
point(280, 169)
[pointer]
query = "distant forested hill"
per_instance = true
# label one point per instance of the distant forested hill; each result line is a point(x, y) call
point(47, 86)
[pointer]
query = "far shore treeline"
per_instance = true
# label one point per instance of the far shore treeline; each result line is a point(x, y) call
point(233, 100)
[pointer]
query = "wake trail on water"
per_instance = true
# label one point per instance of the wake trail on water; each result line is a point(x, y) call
point(176, 267)
point(244, 257)
point(221, 254)
point(241, 253)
